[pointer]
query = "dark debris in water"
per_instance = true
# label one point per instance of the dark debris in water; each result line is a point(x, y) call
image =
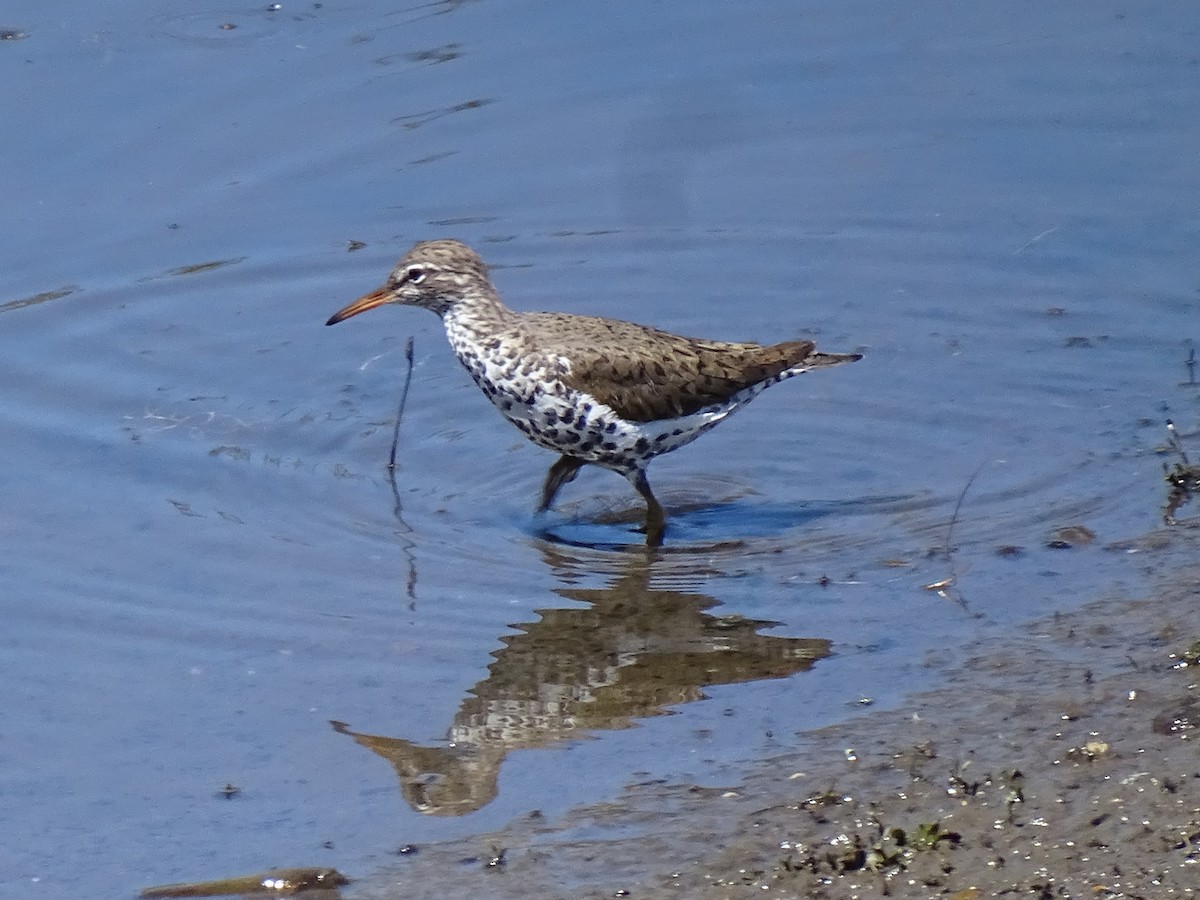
point(1190, 362)
point(195, 268)
point(1070, 536)
point(1184, 484)
point(1183, 478)
point(42, 297)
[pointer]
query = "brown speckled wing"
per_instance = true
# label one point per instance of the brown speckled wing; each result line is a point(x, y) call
point(645, 374)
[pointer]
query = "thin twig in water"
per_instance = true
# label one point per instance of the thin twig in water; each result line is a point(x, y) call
point(943, 586)
point(406, 543)
point(958, 506)
point(408, 356)
point(1174, 443)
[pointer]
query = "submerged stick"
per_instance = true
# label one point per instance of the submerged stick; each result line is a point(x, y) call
point(279, 882)
point(1174, 443)
point(958, 507)
point(397, 507)
point(943, 586)
point(408, 355)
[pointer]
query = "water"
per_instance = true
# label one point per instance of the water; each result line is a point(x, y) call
point(205, 562)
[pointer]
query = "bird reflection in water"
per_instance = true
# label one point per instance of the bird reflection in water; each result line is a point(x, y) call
point(631, 653)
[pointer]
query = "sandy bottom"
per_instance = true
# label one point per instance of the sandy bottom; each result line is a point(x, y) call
point(1081, 779)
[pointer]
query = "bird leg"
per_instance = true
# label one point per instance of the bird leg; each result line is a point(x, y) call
point(563, 471)
point(656, 520)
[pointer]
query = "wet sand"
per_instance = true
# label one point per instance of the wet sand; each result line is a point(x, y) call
point(1081, 780)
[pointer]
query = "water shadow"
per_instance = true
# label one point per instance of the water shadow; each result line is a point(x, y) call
point(695, 522)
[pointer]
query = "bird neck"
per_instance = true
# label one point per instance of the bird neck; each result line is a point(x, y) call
point(478, 312)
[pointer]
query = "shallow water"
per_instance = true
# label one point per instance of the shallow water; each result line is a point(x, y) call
point(206, 562)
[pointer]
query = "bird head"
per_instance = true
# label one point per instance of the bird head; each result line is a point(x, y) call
point(435, 275)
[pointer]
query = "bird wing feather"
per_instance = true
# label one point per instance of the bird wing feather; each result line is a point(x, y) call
point(644, 374)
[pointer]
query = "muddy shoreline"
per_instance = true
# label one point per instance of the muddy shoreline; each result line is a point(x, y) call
point(1081, 781)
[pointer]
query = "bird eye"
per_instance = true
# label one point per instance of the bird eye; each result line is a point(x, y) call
point(414, 275)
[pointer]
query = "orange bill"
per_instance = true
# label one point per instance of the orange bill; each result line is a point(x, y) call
point(362, 304)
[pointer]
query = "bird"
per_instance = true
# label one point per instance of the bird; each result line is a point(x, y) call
point(595, 390)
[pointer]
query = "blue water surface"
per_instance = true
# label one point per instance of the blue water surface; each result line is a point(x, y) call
point(205, 563)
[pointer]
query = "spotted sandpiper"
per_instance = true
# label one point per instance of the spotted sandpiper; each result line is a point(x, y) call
point(594, 390)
